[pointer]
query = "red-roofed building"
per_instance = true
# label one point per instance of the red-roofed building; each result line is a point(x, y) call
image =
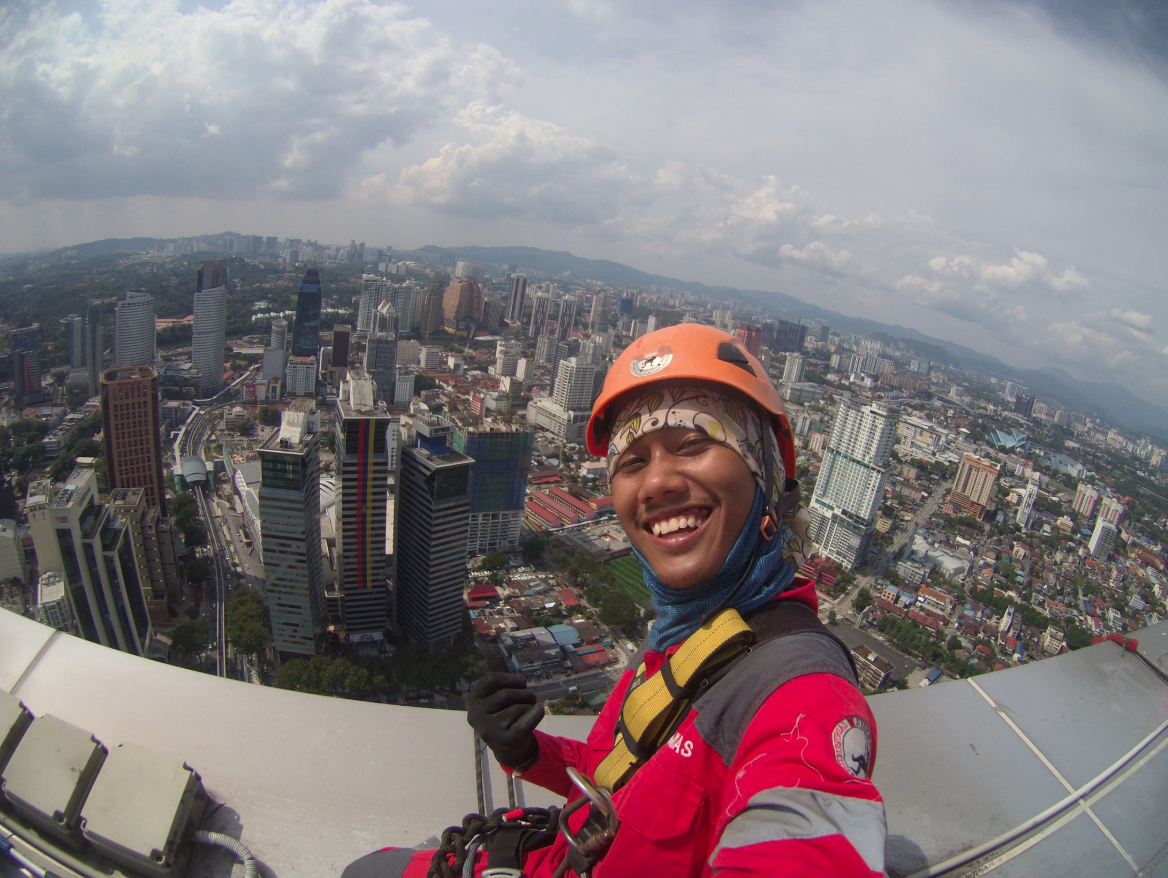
point(539, 517)
point(483, 591)
point(568, 598)
point(822, 570)
point(596, 659)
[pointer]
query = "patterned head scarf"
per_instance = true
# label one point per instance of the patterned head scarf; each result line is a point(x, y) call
point(726, 418)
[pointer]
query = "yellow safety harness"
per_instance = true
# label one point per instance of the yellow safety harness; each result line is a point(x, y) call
point(655, 705)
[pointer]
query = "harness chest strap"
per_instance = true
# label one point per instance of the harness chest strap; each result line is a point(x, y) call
point(653, 705)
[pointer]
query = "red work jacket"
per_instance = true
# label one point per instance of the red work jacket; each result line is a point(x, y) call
point(781, 787)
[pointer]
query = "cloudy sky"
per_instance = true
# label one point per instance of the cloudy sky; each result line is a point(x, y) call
point(991, 173)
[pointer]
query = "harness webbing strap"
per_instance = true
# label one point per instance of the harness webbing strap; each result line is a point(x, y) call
point(652, 706)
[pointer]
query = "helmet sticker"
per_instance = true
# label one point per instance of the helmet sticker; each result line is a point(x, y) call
point(853, 746)
point(651, 364)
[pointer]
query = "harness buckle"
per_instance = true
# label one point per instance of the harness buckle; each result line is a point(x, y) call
point(592, 847)
point(768, 528)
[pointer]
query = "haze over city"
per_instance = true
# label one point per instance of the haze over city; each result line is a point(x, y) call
point(991, 174)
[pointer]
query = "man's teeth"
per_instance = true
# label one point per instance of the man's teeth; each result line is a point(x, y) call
point(660, 528)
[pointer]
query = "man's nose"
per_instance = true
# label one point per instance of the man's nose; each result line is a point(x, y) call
point(662, 476)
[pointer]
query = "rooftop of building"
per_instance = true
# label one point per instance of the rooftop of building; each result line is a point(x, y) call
point(447, 458)
point(128, 373)
point(1049, 767)
point(77, 480)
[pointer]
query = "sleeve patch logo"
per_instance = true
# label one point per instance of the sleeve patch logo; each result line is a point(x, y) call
point(651, 364)
point(852, 740)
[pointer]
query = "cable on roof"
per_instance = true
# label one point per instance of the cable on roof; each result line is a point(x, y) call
point(218, 839)
point(1012, 835)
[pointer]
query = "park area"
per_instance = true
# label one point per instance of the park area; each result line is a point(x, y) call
point(629, 577)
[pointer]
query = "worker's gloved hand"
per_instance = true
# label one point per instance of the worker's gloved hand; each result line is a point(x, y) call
point(504, 714)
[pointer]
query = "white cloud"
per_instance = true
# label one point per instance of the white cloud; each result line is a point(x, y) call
point(817, 257)
point(514, 165)
point(1033, 269)
point(1132, 319)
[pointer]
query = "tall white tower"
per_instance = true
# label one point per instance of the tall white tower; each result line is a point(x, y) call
point(851, 480)
point(574, 381)
point(134, 330)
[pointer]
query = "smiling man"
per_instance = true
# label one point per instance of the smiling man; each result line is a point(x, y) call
point(740, 745)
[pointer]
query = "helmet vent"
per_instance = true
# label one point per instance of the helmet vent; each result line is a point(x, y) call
point(728, 352)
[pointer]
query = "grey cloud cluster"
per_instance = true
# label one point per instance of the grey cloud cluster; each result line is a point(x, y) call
point(259, 97)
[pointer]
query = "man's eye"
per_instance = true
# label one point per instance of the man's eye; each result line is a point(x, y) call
point(627, 463)
point(695, 443)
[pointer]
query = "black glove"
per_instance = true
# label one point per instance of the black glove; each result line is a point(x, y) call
point(504, 714)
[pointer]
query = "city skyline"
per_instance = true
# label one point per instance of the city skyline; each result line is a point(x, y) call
point(986, 174)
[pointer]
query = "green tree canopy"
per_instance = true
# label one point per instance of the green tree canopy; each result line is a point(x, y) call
point(248, 629)
point(191, 637)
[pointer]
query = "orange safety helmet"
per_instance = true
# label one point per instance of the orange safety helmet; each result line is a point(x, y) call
point(689, 352)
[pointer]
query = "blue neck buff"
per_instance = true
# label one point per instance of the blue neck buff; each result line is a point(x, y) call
point(680, 611)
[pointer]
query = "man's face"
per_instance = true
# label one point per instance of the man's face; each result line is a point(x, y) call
point(683, 499)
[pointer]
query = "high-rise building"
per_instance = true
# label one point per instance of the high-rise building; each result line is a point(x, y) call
point(153, 545)
point(381, 364)
point(973, 488)
point(103, 590)
point(52, 604)
point(386, 320)
point(539, 316)
point(1102, 542)
point(567, 319)
point(374, 291)
point(472, 270)
point(433, 513)
point(289, 498)
point(498, 483)
point(506, 357)
point(574, 384)
point(850, 485)
point(404, 299)
point(597, 313)
point(306, 329)
point(516, 298)
point(794, 369)
point(1024, 405)
point(784, 336)
point(403, 390)
point(273, 364)
point(94, 347)
point(652, 324)
point(362, 473)
point(209, 334)
point(27, 382)
point(463, 300)
point(134, 329)
point(430, 320)
point(1026, 508)
point(279, 334)
point(1112, 509)
point(131, 429)
point(73, 328)
point(38, 506)
point(751, 338)
point(300, 376)
point(338, 363)
point(1086, 500)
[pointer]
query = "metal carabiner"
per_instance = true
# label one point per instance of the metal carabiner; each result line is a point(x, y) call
point(592, 847)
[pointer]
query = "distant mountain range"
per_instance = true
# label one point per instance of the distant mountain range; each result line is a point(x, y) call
point(1112, 402)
